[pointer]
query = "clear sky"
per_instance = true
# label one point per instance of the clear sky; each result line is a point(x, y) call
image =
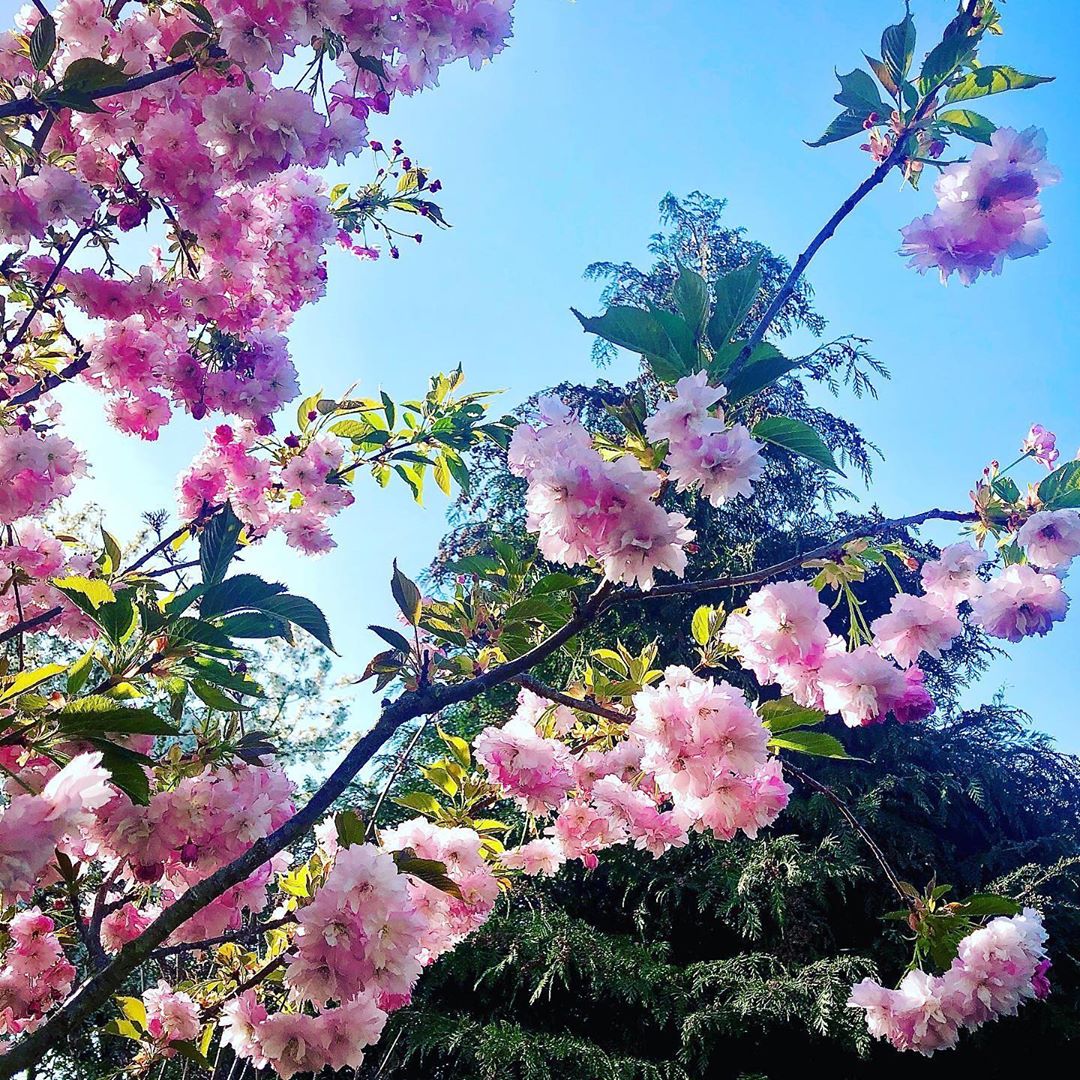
point(557, 154)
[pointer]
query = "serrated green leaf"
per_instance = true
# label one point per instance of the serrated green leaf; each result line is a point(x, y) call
point(990, 904)
point(797, 437)
point(733, 296)
point(27, 680)
point(1061, 489)
point(43, 42)
point(421, 802)
point(640, 332)
point(968, 124)
point(215, 698)
point(392, 638)
point(992, 79)
point(406, 596)
point(349, 828)
point(458, 747)
point(814, 743)
point(898, 47)
point(859, 92)
point(217, 545)
point(785, 715)
point(699, 625)
point(95, 591)
point(764, 366)
point(848, 123)
point(79, 672)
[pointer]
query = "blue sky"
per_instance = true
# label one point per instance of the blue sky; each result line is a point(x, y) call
point(557, 154)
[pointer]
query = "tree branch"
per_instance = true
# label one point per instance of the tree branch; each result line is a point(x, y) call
point(30, 107)
point(97, 990)
point(754, 577)
point(582, 705)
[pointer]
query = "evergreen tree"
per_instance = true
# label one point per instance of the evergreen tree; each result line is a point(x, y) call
point(727, 960)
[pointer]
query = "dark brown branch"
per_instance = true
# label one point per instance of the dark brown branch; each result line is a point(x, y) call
point(246, 933)
point(850, 817)
point(30, 107)
point(97, 990)
point(833, 547)
point(582, 705)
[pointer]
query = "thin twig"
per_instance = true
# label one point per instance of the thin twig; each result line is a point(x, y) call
point(582, 705)
point(850, 817)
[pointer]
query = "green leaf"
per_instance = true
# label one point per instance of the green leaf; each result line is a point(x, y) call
point(968, 124)
point(87, 74)
point(237, 593)
point(215, 698)
point(641, 332)
point(190, 1051)
point(898, 47)
point(254, 624)
point(1061, 489)
point(349, 828)
point(374, 64)
point(79, 672)
point(555, 582)
point(699, 625)
point(393, 638)
point(125, 1029)
point(989, 904)
point(93, 591)
point(27, 680)
point(112, 553)
point(406, 595)
point(430, 871)
point(1006, 489)
point(133, 1009)
point(859, 92)
point(125, 768)
point(117, 619)
point(945, 57)
point(848, 123)
point(993, 79)
point(784, 715)
point(421, 802)
point(43, 42)
point(217, 544)
point(300, 612)
point(212, 671)
point(437, 775)
point(692, 299)
point(457, 746)
point(797, 437)
point(100, 715)
point(763, 368)
point(814, 743)
point(733, 297)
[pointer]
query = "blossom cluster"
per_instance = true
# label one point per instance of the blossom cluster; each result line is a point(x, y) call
point(584, 507)
point(988, 209)
point(186, 832)
point(703, 451)
point(229, 160)
point(694, 757)
point(997, 968)
point(37, 820)
point(296, 495)
point(34, 973)
point(783, 638)
point(360, 945)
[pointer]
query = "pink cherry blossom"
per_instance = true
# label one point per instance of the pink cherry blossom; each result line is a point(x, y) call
point(1051, 538)
point(914, 625)
point(1019, 603)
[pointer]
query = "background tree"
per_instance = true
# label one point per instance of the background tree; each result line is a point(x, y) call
point(736, 959)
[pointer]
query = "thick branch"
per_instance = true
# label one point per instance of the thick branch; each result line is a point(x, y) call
point(833, 547)
point(30, 107)
point(97, 990)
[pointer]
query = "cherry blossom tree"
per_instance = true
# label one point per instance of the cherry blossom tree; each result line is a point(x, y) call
point(147, 830)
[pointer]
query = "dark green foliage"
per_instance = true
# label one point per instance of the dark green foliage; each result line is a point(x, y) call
point(735, 960)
